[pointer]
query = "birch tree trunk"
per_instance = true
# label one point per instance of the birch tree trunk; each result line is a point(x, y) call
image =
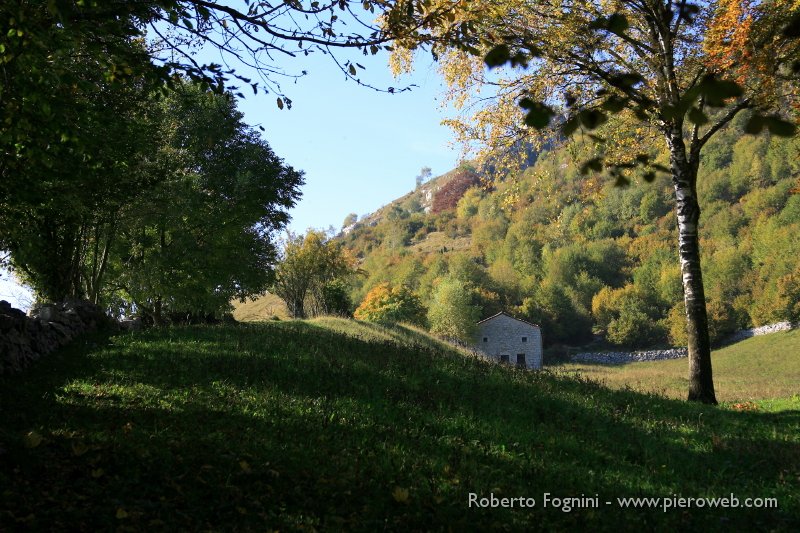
point(684, 180)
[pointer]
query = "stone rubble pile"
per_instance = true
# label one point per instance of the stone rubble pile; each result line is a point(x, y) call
point(24, 339)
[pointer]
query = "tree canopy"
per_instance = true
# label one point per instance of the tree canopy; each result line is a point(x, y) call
point(203, 235)
point(311, 275)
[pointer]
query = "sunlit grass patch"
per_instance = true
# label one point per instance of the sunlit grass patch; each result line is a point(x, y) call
point(755, 369)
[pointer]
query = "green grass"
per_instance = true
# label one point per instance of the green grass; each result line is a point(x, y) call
point(335, 425)
point(759, 368)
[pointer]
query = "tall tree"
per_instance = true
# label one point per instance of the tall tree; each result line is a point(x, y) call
point(308, 274)
point(203, 235)
point(66, 196)
point(58, 55)
point(677, 69)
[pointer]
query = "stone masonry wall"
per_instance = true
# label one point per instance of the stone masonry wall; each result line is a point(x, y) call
point(24, 339)
point(504, 337)
point(618, 358)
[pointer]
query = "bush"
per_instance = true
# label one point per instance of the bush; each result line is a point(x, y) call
point(721, 322)
point(634, 327)
point(626, 317)
point(451, 313)
point(386, 305)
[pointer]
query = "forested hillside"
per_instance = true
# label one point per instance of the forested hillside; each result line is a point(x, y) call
point(583, 255)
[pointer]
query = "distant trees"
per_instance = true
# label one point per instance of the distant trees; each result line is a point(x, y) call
point(423, 176)
point(349, 220)
point(544, 243)
point(450, 193)
point(311, 275)
point(390, 305)
point(451, 313)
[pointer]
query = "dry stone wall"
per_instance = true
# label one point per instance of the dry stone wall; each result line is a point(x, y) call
point(619, 358)
point(24, 339)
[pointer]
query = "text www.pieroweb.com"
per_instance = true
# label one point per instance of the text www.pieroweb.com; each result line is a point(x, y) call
point(568, 504)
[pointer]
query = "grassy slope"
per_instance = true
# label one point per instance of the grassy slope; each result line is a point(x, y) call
point(336, 425)
point(263, 308)
point(754, 369)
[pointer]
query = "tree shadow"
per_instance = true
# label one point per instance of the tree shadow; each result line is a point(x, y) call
point(330, 425)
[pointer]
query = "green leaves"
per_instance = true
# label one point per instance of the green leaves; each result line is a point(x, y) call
point(616, 23)
point(697, 117)
point(773, 123)
point(792, 28)
point(593, 165)
point(538, 115)
point(614, 104)
point(588, 118)
point(502, 54)
point(498, 56)
point(716, 92)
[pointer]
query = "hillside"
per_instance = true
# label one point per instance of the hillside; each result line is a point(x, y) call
point(592, 261)
point(334, 425)
point(266, 307)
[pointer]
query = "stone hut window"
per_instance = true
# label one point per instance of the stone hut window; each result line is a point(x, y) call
point(486, 339)
point(521, 359)
point(504, 358)
point(524, 339)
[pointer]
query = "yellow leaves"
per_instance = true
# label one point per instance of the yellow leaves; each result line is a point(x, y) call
point(400, 495)
point(728, 37)
point(98, 473)
point(245, 466)
point(121, 513)
point(32, 439)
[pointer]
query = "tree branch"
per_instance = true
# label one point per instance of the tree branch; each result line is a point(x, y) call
point(732, 112)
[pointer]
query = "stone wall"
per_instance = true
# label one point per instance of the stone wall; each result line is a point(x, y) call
point(24, 339)
point(619, 358)
point(755, 332)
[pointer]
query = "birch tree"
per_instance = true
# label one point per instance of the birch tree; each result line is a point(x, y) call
point(667, 69)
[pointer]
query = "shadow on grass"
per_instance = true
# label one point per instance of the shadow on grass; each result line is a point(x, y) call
point(293, 424)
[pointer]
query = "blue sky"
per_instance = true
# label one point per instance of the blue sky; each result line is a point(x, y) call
point(359, 149)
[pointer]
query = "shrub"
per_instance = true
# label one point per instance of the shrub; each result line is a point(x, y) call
point(721, 322)
point(451, 313)
point(387, 305)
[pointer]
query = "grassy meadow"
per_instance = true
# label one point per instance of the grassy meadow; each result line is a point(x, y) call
point(759, 369)
point(265, 307)
point(335, 425)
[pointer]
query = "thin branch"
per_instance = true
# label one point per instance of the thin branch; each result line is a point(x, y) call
point(732, 112)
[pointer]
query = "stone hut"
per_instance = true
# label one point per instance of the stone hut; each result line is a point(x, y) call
point(510, 340)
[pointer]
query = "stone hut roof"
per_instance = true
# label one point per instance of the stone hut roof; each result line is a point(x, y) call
point(509, 316)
